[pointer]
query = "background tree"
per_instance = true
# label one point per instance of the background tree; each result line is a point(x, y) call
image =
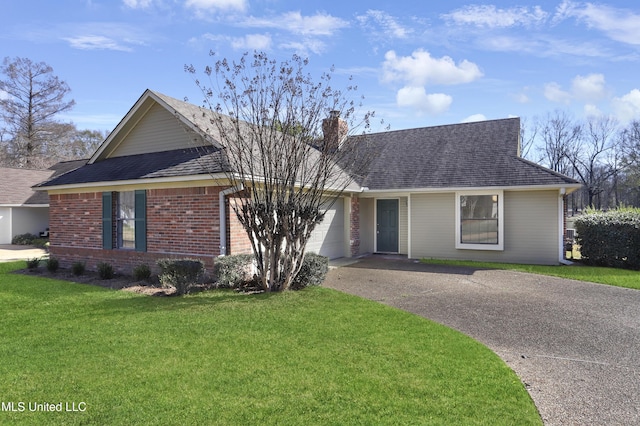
point(32, 98)
point(593, 157)
point(630, 149)
point(559, 134)
point(269, 118)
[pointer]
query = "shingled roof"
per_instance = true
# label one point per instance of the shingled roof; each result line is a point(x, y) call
point(465, 155)
point(16, 188)
point(182, 162)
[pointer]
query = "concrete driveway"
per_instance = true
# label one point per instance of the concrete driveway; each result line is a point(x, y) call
point(10, 252)
point(575, 345)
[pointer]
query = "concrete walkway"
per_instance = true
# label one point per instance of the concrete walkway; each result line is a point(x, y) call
point(10, 252)
point(575, 345)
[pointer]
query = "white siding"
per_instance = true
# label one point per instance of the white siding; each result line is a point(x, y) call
point(328, 238)
point(403, 226)
point(5, 225)
point(158, 130)
point(31, 220)
point(530, 227)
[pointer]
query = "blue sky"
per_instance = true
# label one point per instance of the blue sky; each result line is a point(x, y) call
point(416, 63)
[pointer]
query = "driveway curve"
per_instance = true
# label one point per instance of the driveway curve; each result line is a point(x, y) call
point(574, 345)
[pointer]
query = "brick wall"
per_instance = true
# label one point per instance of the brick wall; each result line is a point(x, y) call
point(75, 220)
point(182, 222)
point(239, 242)
point(354, 225)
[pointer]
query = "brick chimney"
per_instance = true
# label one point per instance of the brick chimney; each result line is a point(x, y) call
point(334, 130)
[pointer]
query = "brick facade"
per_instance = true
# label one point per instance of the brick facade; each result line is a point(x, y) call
point(354, 227)
point(181, 222)
point(236, 235)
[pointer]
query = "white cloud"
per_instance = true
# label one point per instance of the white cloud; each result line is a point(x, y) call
point(420, 69)
point(617, 23)
point(319, 24)
point(215, 5)
point(521, 98)
point(96, 42)
point(474, 118)
point(137, 4)
point(488, 16)
point(4, 95)
point(416, 97)
point(305, 46)
point(591, 110)
point(390, 26)
point(589, 88)
point(627, 107)
point(252, 42)
point(553, 92)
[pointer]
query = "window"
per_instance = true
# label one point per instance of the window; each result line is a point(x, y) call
point(479, 220)
point(124, 217)
point(126, 220)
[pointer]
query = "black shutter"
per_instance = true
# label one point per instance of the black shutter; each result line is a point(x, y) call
point(141, 220)
point(107, 220)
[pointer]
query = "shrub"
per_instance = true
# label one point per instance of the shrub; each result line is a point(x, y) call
point(33, 263)
point(42, 243)
point(24, 239)
point(141, 272)
point(610, 238)
point(312, 272)
point(181, 274)
point(233, 271)
point(78, 268)
point(52, 264)
point(105, 271)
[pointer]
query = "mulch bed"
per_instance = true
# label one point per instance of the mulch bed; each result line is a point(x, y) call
point(118, 282)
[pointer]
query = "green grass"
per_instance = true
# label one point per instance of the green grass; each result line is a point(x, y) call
point(315, 356)
point(595, 274)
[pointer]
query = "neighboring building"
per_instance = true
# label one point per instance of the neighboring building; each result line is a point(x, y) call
point(22, 210)
point(156, 188)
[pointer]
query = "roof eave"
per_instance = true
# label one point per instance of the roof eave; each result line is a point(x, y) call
point(569, 188)
point(144, 181)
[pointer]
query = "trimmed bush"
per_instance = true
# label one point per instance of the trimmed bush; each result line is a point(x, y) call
point(78, 268)
point(33, 263)
point(233, 271)
point(52, 264)
point(142, 272)
point(181, 274)
point(105, 271)
point(312, 272)
point(24, 239)
point(610, 238)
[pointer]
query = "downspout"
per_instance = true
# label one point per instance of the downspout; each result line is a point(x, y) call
point(561, 259)
point(223, 217)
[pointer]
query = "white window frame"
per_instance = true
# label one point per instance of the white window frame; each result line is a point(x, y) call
point(467, 246)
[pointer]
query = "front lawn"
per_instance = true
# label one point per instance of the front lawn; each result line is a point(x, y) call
point(315, 356)
point(595, 274)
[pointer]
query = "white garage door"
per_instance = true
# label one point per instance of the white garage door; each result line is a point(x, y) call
point(5, 225)
point(328, 237)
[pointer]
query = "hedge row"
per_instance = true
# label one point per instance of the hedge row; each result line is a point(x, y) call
point(610, 238)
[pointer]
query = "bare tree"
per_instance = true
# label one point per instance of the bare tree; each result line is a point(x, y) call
point(269, 118)
point(590, 158)
point(559, 134)
point(528, 136)
point(34, 96)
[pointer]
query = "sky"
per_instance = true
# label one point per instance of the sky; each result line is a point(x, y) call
point(416, 63)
